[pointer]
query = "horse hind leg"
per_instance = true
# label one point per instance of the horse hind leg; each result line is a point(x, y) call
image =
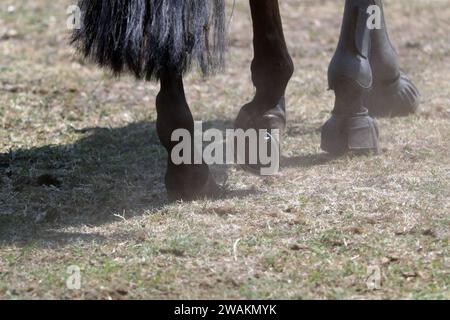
point(186, 181)
point(393, 94)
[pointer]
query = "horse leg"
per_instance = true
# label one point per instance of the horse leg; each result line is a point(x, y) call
point(350, 128)
point(393, 94)
point(183, 181)
point(271, 68)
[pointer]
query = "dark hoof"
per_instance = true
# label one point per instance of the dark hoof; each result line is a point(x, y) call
point(350, 133)
point(399, 99)
point(273, 119)
point(190, 182)
point(259, 167)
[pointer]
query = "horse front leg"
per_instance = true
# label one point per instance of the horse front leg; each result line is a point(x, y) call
point(393, 94)
point(186, 180)
point(350, 128)
point(271, 68)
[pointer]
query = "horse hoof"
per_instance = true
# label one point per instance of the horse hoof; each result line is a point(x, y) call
point(190, 182)
point(250, 117)
point(269, 122)
point(357, 134)
point(271, 154)
point(399, 99)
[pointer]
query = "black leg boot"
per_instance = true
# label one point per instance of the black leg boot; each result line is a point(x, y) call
point(393, 94)
point(350, 128)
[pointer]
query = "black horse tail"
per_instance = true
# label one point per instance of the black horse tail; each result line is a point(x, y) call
point(149, 37)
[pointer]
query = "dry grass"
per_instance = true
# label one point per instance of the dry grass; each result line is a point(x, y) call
point(81, 174)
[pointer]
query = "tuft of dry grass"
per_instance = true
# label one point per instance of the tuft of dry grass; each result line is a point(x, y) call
point(81, 174)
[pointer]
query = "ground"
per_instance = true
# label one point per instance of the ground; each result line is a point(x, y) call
point(81, 174)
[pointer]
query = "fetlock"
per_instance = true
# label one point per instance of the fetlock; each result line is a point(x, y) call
point(253, 116)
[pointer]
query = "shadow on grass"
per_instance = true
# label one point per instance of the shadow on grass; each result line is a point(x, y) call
point(307, 161)
point(106, 173)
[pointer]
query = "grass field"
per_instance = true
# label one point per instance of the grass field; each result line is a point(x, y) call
point(81, 174)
